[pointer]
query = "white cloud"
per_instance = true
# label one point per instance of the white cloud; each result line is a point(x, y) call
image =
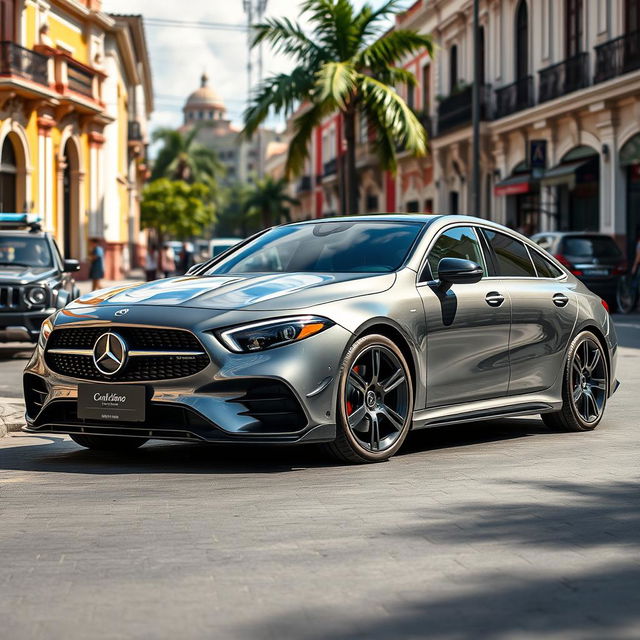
point(179, 56)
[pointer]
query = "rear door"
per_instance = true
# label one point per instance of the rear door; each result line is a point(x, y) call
point(543, 312)
point(467, 326)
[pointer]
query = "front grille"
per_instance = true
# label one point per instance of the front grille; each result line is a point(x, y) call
point(35, 394)
point(138, 368)
point(9, 297)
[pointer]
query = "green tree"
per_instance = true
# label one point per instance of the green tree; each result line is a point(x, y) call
point(346, 63)
point(176, 209)
point(232, 219)
point(182, 157)
point(269, 199)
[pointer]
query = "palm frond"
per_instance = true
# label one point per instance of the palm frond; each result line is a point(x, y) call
point(303, 126)
point(393, 47)
point(371, 21)
point(337, 82)
point(286, 37)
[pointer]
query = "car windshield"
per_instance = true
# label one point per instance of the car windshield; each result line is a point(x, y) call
point(25, 251)
point(591, 247)
point(325, 247)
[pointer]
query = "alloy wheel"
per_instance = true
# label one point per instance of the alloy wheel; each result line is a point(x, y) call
point(588, 380)
point(377, 399)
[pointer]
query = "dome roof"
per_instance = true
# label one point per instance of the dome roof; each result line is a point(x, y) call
point(204, 97)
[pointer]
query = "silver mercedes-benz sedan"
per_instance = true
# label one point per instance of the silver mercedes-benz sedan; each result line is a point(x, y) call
point(346, 331)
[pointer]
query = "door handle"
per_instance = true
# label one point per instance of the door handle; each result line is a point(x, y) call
point(560, 300)
point(494, 299)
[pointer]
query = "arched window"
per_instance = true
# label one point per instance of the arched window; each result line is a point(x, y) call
point(522, 41)
point(8, 171)
point(573, 27)
point(453, 67)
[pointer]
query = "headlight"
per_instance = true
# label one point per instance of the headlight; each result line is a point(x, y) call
point(45, 332)
point(274, 333)
point(36, 296)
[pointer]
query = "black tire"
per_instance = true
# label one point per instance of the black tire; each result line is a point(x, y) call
point(626, 295)
point(585, 387)
point(387, 425)
point(107, 443)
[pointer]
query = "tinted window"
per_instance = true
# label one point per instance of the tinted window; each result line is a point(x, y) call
point(25, 251)
point(326, 247)
point(591, 247)
point(544, 268)
point(513, 257)
point(459, 242)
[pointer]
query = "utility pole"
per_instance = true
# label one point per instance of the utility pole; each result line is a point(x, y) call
point(475, 108)
point(254, 10)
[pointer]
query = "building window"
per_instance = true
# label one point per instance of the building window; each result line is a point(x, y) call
point(573, 27)
point(522, 41)
point(632, 16)
point(428, 205)
point(426, 88)
point(453, 67)
point(8, 171)
point(454, 203)
point(482, 62)
point(411, 96)
point(413, 206)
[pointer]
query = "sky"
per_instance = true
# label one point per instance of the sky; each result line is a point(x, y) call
point(179, 55)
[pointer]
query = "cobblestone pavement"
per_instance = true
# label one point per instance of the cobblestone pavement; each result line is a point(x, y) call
point(488, 530)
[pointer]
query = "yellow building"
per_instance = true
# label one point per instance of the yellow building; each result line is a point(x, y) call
point(75, 97)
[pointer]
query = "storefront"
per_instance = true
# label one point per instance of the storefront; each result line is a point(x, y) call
point(630, 163)
point(522, 192)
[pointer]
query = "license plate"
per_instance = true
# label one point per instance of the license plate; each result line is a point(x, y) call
point(596, 272)
point(125, 403)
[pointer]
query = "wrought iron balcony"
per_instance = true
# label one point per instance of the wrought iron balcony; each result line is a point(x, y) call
point(80, 79)
point(134, 131)
point(565, 77)
point(618, 56)
point(514, 97)
point(304, 184)
point(18, 61)
point(456, 110)
point(330, 167)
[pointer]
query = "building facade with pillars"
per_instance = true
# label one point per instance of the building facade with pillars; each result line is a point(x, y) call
point(65, 145)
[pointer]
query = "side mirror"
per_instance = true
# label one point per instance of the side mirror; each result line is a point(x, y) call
point(70, 266)
point(458, 271)
point(194, 268)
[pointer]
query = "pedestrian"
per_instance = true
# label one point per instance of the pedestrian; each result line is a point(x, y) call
point(186, 257)
point(167, 261)
point(96, 270)
point(151, 263)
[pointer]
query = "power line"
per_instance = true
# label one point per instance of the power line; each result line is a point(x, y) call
point(194, 24)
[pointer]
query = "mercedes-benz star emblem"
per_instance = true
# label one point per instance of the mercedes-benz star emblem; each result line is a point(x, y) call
point(109, 353)
point(121, 312)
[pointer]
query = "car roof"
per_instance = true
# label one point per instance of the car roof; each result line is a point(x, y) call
point(12, 233)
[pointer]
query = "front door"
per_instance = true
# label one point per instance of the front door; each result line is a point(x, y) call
point(467, 327)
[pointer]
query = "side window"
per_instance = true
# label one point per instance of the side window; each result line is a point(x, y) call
point(544, 268)
point(58, 255)
point(512, 256)
point(545, 242)
point(459, 242)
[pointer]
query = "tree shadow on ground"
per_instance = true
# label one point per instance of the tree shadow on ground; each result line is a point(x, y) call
point(587, 587)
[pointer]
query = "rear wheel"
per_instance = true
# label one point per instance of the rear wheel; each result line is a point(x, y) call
point(626, 294)
point(107, 443)
point(375, 401)
point(585, 387)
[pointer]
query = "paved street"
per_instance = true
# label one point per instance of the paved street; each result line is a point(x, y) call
point(489, 530)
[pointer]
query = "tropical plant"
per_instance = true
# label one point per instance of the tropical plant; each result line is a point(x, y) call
point(269, 199)
point(182, 157)
point(176, 209)
point(347, 63)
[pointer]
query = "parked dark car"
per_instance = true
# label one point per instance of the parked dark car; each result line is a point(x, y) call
point(35, 280)
point(594, 258)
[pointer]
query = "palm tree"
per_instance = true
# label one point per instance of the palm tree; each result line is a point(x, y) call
point(182, 157)
point(269, 200)
point(346, 64)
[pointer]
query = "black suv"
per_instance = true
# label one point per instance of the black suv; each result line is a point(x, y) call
point(35, 279)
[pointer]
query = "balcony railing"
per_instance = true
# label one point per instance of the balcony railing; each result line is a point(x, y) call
point(18, 61)
point(304, 184)
point(456, 110)
point(563, 78)
point(134, 131)
point(514, 97)
point(330, 167)
point(618, 56)
point(80, 79)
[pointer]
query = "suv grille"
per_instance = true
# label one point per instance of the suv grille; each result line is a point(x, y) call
point(174, 353)
point(9, 297)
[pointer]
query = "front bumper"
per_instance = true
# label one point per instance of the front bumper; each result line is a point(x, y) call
point(22, 326)
point(285, 395)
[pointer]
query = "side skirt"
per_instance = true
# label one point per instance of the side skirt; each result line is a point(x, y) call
point(485, 410)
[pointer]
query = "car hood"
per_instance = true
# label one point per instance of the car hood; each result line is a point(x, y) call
point(268, 292)
point(24, 275)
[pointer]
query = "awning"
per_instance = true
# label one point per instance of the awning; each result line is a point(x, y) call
point(514, 185)
point(571, 173)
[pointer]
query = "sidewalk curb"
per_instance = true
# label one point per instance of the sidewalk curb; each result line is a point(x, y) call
point(11, 415)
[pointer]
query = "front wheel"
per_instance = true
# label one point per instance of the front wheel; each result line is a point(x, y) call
point(107, 443)
point(585, 386)
point(375, 401)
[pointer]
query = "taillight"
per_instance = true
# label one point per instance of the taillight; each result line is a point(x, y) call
point(565, 263)
point(604, 304)
point(620, 268)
